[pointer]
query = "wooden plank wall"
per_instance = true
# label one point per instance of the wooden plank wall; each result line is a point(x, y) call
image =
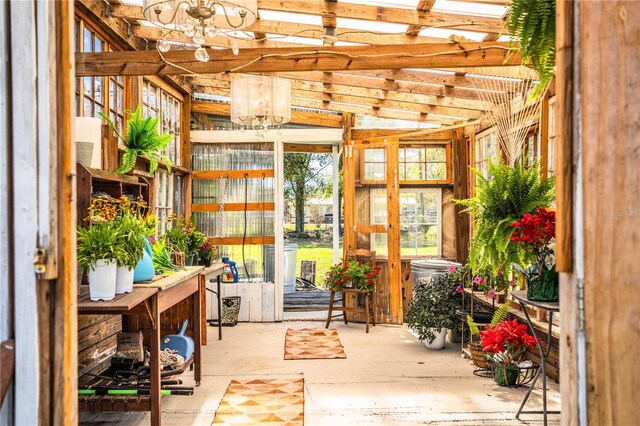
point(610, 117)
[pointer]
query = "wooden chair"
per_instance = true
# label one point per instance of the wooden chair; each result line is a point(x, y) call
point(369, 309)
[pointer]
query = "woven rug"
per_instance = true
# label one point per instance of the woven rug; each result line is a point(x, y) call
point(313, 343)
point(262, 401)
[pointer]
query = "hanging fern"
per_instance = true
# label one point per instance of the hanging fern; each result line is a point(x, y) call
point(534, 23)
point(506, 197)
point(141, 138)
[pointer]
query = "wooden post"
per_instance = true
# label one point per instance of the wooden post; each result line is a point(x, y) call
point(393, 233)
point(544, 137)
point(609, 88)
point(460, 192)
point(348, 183)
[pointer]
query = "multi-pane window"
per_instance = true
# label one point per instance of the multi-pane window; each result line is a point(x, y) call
point(417, 163)
point(169, 197)
point(420, 220)
point(156, 102)
point(487, 147)
point(98, 94)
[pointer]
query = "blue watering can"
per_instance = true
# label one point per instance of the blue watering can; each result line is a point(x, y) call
point(144, 270)
point(179, 343)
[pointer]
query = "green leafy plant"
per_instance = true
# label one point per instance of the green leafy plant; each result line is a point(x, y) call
point(141, 138)
point(98, 241)
point(352, 274)
point(161, 258)
point(500, 314)
point(434, 306)
point(131, 230)
point(507, 196)
point(184, 235)
point(534, 23)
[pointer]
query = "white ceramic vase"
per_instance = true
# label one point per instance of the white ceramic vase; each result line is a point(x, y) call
point(438, 342)
point(102, 279)
point(124, 280)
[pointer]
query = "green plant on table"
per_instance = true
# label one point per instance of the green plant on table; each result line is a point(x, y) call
point(161, 257)
point(208, 249)
point(131, 230)
point(184, 235)
point(352, 274)
point(434, 306)
point(141, 138)
point(98, 241)
point(505, 197)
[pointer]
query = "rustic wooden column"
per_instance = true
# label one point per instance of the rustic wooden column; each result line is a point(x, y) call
point(459, 160)
point(348, 171)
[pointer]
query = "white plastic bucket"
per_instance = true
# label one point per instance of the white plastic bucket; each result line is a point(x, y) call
point(102, 279)
point(124, 280)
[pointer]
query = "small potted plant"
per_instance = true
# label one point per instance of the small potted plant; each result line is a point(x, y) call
point(208, 251)
point(433, 310)
point(535, 233)
point(352, 275)
point(131, 233)
point(505, 345)
point(184, 236)
point(99, 247)
point(476, 349)
point(141, 138)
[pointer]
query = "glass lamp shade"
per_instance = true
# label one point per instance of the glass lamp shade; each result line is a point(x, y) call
point(260, 100)
point(172, 14)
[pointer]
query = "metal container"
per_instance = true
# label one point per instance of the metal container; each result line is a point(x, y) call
point(422, 270)
point(290, 258)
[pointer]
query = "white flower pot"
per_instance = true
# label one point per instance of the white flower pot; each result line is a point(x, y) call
point(438, 342)
point(102, 279)
point(124, 280)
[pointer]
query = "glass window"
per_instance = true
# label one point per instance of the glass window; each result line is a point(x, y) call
point(417, 163)
point(156, 102)
point(551, 162)
point(487, 147)
point(420, 219)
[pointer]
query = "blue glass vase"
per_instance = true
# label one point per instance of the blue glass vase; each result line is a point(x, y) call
point(144, 269)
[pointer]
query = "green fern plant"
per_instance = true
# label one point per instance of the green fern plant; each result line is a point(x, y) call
point(141, 138)
point(500, 314)
point(499, 201)
point(534, 23)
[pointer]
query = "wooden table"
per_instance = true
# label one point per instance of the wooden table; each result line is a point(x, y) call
point(149, 300)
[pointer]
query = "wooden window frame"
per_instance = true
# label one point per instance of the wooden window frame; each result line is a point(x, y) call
point(163, 98)
point(405, 182)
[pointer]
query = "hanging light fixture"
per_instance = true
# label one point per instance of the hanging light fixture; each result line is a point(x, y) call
point(259, 101)
point(200, 18)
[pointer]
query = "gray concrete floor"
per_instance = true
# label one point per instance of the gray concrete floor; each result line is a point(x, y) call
point(388, 378)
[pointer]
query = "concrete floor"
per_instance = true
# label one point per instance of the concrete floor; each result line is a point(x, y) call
point(388, 378)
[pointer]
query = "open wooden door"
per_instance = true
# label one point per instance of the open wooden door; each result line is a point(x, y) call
point(372, 216)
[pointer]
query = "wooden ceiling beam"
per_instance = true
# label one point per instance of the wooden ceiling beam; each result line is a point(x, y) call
point(386, 14)
point(134, 14)
point(117, 28)
point(446, 106)
point(423, 6)
point(298, 117)
point(441, 137)
point(341, 58)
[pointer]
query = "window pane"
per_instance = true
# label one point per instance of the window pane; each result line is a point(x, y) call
point(436, 154)
point(379, 244)
point(378, 206)
point(437, 171)
point(87, 41)
point(415, 171)
point(374, 154)
point(88, 108)
point(414, 154)
point(98, 45)
point(374, 171)
point(98, 91)
point(401, 172)
point(88, 85)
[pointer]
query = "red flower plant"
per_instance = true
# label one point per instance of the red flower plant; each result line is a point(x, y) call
point(535, 232)
point(508, 340)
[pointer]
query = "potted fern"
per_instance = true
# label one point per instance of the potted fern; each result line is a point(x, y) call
point(141, 138)
point(99, 247)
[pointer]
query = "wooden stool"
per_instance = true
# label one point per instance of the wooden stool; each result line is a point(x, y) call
point(369, 298)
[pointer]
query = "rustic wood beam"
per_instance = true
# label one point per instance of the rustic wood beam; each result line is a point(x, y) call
point(388, 14)
point(426, 77)
point(444, 136)
point(206, 107)
point(300, 117)
point(299, 59)
point(442, 106)
point(423, 6)
point(134, 13)
point(116, 28)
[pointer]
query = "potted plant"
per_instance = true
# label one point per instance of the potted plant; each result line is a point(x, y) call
point(505, 197)
point(208, 251)
point(195, 240)
point(131, 234)
point(99, 247)
point(478, 356)
point(141, 138)
point(534, 232)
point(505, 344)
point(433, 310)
point(352, 275)
point(161, 257)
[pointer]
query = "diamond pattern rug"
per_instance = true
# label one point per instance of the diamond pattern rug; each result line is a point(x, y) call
point(262, 401)
point(313, 343)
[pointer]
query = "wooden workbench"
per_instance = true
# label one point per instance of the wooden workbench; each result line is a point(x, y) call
point(142, 309)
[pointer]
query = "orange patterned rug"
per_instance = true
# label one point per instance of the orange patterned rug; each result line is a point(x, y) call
point(313, 343)
point(262, 401)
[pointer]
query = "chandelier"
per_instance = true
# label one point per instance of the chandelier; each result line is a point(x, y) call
point(259, 101)
point(200, 18)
